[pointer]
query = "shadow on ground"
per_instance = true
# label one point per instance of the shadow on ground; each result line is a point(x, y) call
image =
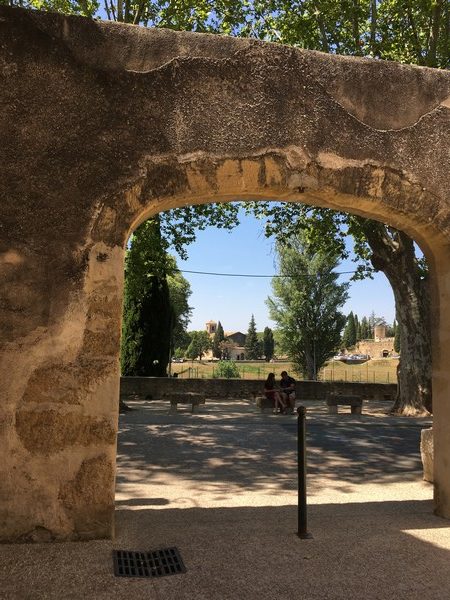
point(375, 551)
point(253, 454)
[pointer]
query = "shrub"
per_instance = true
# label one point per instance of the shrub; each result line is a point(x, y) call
point(227, 369)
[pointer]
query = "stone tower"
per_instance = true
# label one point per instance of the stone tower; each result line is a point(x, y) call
point(379, 332)
point(211, 327)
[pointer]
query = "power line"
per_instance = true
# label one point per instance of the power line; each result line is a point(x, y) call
point(249, 274)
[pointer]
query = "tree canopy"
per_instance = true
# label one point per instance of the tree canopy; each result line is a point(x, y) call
point(268, 343)
point(306, 303)
point(349, 337)
point(200, 343)
point(148, 316)
point(252, 346)
point(219, 337)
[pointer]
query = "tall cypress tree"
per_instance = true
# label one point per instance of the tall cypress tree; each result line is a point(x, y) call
point(365, 332)
point(252, 346)
point(148, 316)
point(357, 328)
point(219, 336)
point(268, 343)
point(349, 337)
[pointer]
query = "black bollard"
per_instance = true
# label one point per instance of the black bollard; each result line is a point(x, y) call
point(301, 461)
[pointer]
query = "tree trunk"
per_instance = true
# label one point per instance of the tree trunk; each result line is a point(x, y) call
point(436, 14)
point(373, 27)
point(393, 254)
point(310, 366)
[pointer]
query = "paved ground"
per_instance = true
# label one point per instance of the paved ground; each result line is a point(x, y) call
point(221, 487)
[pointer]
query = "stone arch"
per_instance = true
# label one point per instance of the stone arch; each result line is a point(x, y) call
point(220, 119)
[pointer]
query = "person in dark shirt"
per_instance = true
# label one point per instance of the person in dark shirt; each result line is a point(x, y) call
point(287, 385)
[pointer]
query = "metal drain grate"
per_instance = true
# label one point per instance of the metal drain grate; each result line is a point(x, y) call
point(128, 563)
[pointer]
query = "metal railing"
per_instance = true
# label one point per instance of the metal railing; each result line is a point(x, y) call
point(355, 374)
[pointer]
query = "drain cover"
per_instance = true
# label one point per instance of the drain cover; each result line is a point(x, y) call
point(157, 563)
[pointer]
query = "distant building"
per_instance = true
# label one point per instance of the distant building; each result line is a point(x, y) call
point(236, 336)
point(379, 332)
point(236, 347)
point(380, 347)
point(211, 327)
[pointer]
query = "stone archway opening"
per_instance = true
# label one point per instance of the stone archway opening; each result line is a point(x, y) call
point(158, 499)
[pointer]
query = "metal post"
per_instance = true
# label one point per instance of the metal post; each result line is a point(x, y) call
point(301, 462)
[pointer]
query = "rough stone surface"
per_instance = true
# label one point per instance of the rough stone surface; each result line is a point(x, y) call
point(84, 499)
point(426, 452)
point(47, 431)
point(103, 125)
point(164, 387)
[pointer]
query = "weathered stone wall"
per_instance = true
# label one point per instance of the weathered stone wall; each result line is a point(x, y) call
point(375, 349)
point(103, 125)
point(159, 387)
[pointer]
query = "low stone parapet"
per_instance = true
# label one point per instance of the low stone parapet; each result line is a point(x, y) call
point(163, 387)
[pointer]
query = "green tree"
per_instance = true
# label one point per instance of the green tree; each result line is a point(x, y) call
point(179, 292)
point(268, 343)
point(390, 330)
point(148, 314)
point(306, 304)
point(200, 343)
point(357, 328)
point(219, 336)
point(349, 337)
point(226, 347)
point(365, 329)
point(252, 346)
point(377, 247)
point(227, 369)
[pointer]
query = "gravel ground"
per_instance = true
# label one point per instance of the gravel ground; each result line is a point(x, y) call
point(221, 485)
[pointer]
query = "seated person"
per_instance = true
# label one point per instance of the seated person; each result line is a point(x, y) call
point(287, 385)
point(271, 392)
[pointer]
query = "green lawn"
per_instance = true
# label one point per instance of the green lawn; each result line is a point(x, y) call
point(376, 371)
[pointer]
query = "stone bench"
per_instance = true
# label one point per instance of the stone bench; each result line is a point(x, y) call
point(193, 398)
point(264, 404)
point(355, 403)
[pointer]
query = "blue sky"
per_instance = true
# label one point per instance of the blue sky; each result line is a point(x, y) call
point(232, 300)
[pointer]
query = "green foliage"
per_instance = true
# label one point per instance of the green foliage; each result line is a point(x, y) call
point(179, 292)
point(85, 8)
point(357, 327)
point(227, 369)
point(156, 309)
point(268, 343)
point(218, 338)
point(365, 329)
point(147, 315)
point(226, 346)
point(416, 31)
point(179, 226)
point(349, 337)
point(306, 305)
point(180, 352)
point(252, 345)
point(200, 343)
